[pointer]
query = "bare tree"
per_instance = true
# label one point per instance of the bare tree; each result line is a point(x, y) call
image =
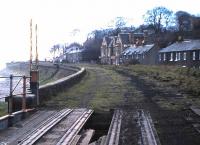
point(158, 17)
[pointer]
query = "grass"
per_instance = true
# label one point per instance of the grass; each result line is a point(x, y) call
point(100, 89)
point(3, 108)
point(183, 80)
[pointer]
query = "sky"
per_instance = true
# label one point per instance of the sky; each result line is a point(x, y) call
point(57, 19)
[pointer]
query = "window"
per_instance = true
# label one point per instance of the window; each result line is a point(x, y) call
point(179, 56)
point(171, 56)
point(159, 57)
point(193, 55)
point(184, 56)
point(176, 56)
point(199, 55)
point(137, 56)
point(164, 55)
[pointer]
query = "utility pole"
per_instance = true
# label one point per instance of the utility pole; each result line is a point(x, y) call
point(36, 57)
point(31, 45)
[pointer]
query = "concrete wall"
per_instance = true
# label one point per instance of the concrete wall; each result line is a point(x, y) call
point(52, 88)
point(9, 120)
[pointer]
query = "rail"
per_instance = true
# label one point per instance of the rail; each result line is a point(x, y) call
point(69, 136)
point(148, 132)
point(36, 134)
point(114, 130)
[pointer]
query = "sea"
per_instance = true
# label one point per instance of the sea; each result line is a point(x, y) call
point(5, 83)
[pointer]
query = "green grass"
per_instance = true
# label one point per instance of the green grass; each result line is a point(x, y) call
point(183, 80)
point(3, 108)
point(100, 91)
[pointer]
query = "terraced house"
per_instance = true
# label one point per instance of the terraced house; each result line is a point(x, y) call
point(183, 53)
point(142, 54)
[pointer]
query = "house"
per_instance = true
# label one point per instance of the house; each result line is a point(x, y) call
point(123, 41)
point(112, 47)
point(142, 54)
point(105, 51)
point(182, 53)
point(74, 54)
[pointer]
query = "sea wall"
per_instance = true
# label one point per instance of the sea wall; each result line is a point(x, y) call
point(52, 88)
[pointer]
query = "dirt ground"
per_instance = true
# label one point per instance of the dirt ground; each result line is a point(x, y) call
point(104, 88)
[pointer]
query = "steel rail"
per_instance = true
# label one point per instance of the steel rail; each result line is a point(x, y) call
point(44, 127)
point(69, 136)
point(114, 129)
point(148, 132)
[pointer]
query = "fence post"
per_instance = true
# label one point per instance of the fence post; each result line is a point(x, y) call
point(10, 99)
point(24, 94)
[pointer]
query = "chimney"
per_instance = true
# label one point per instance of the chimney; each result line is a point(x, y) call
point(180, 38)
point(137, 42)
point(129, 36)
point(143, 42)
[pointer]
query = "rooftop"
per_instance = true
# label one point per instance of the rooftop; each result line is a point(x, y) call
point(183, 46)
point(137, 49)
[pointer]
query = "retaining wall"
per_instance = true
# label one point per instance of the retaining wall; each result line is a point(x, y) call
point(52, 88)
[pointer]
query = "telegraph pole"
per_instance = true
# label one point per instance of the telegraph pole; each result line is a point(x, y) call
point(36, 49)
point(31, 45)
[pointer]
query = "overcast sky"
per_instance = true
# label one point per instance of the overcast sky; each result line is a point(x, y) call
point(56, 20)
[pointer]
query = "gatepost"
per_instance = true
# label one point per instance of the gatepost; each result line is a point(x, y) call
point(34, 85)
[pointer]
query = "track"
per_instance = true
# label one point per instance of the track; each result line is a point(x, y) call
point(60, 128)
point(114, 130)
point(148, 132)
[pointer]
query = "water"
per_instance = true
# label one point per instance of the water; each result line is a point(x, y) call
point(5, 84)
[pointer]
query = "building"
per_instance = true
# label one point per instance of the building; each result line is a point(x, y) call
point(74, 54)
point(182, 53)
point(143, 54)
point(105, 50)
point(112, 47)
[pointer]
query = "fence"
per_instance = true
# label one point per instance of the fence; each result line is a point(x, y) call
point(12, 91)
